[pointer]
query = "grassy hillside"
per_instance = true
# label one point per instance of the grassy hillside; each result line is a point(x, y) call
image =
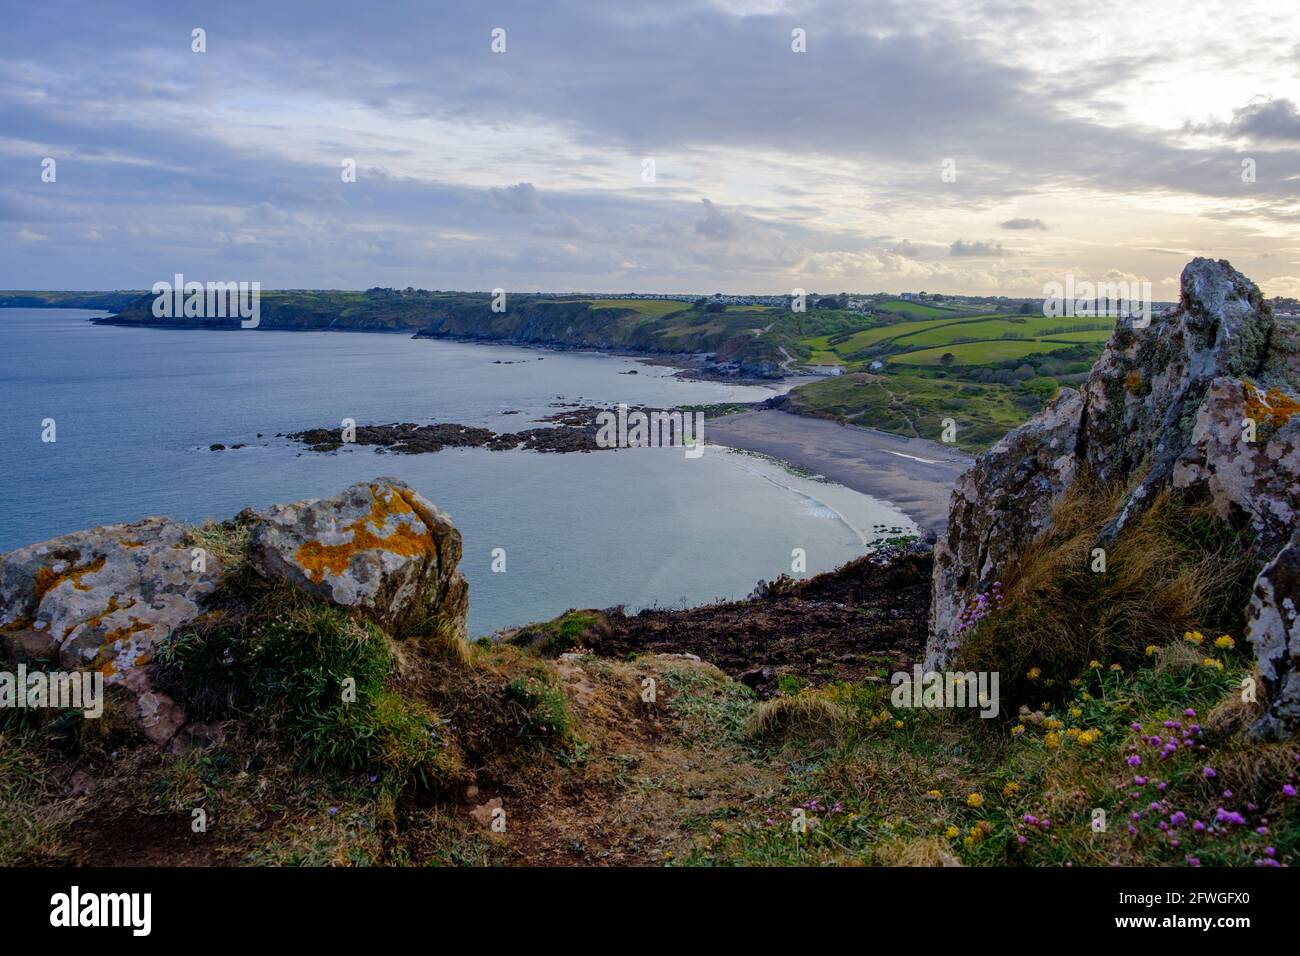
point(913, 405)
point(648, 325)
point(108, 301)
point(586, 770)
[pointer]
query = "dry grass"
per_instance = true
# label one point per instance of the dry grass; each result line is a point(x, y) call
point(1175, 568)
point(924, 851)
point(805, 716)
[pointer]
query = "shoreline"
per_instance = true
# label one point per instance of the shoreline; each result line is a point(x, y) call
point(914, 475)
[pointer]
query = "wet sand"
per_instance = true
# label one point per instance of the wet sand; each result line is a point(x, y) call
point(913, 474)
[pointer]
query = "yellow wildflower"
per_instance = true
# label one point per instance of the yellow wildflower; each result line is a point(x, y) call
point(1034, 673)
point(975, 800)
point(951, 832)
point(1152, 650)
point(1224, 643)
point(1053, 740)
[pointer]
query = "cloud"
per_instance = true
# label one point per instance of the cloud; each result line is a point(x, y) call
point(229, 162)
point(1264, 120)
point(717, 225)
point(984, 248)
point(1023, 223)
point(521, 199)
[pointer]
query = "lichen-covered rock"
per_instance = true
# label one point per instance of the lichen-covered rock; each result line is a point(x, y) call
point(1163, 404)
point(1273, 630)
point(1144, 391)
point(103, 599)
point(380, 547)
point(1244, 458)
point(1003, 501)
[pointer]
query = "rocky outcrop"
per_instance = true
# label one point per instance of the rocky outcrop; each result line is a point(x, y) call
point(1202, 401)
point(380, 547)
point(1006, 497)
point(105, 599)
point(1244, 457)
point(1273, 630)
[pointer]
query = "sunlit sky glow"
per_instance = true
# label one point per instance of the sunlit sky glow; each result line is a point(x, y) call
point(1101, 138)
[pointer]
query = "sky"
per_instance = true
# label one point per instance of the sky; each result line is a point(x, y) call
point(670, 146)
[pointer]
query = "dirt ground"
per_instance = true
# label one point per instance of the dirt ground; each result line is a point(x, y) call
point(848, 624)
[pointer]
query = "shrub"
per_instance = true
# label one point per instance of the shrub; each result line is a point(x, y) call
point(546, 707)
point(296, 669)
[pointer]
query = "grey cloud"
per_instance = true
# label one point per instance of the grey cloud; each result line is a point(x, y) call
point(985, 248)
point(1021, 222)
point(716, 224)
point(521, 199)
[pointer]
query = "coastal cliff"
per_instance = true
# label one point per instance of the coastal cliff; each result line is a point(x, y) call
point(565, 323)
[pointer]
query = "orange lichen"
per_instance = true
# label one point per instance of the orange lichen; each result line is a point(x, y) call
point(124, 632)
point(96, 619)
point(319, 559)
point(1272, 408)
point(1133, 381)
point(47, 580)
point(106, 652)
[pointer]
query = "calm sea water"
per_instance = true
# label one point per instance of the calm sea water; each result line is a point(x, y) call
point(137, 409)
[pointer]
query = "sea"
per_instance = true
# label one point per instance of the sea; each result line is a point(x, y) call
point(135, 411)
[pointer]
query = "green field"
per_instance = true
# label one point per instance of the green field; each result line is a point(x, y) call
point(1021, 327)
point(882, 333)
point(652, 308)
point(908, 404)
point(915, 310)
point(1100, 335)
point(979, 353)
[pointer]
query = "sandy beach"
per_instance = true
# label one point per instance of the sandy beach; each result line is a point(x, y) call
point(914, 474)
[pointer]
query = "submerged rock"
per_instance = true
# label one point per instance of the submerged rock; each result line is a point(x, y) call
point(379, 547)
